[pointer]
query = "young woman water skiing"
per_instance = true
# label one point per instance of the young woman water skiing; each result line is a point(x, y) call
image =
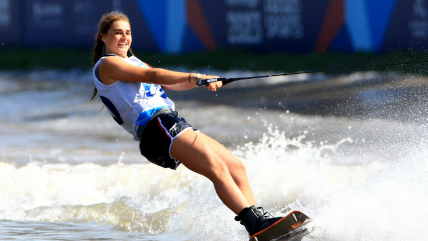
point(133, 93)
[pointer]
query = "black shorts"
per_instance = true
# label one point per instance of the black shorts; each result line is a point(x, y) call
point(158, 136)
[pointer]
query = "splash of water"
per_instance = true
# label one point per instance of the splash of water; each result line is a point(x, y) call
point(371, 201)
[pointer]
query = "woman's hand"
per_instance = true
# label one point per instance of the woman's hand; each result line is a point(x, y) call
point(192, 78)
point(213, 86)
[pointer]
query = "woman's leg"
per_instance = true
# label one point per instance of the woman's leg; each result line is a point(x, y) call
point(236, 167)
point(201, 155)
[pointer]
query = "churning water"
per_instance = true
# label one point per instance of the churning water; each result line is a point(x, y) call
point(350, 151)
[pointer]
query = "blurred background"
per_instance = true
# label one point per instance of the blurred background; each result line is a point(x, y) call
point(261, 27)
point(177, 26)
point(347, 147)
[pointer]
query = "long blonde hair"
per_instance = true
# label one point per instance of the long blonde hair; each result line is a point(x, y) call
point(105, 24)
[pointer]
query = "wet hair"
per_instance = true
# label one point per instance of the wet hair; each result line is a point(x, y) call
point(105, 24)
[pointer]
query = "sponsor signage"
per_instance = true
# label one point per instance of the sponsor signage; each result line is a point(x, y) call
point(54, 23)
point(174, 26)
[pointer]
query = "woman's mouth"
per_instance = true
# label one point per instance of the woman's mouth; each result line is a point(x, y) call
point(122, 45)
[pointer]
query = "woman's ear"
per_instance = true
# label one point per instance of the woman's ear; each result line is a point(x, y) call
point(103, 37)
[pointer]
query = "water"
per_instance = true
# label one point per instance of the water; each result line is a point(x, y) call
point(350, 151)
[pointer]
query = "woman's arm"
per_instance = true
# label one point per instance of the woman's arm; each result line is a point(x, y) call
point(113, 68)
point(192, 83)
point(180, 86)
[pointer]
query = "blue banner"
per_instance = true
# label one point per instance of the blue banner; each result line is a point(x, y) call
point(54, 23)
point(175, 26)
point(10, 25)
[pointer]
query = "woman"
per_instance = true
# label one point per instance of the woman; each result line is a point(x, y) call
point(133, 93)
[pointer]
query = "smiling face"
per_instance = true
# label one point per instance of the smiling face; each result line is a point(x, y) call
point(118, 39)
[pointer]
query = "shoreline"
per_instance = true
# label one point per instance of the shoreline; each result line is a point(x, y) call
point(221, 60)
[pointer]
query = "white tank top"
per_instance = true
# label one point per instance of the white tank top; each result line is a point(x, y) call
point(131, 104)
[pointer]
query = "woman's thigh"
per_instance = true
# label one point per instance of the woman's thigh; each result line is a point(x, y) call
point(194, 153)
point(232, 162)
point(201, 153)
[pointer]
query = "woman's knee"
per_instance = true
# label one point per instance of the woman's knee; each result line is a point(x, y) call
point(217, 169)
point(238, 167)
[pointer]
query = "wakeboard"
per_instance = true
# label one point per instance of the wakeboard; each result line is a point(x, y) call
point(293, 227)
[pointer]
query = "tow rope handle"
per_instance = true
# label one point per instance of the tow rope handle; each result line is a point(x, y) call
point(204, 82)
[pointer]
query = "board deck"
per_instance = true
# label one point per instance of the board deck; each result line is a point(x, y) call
point(292, 227)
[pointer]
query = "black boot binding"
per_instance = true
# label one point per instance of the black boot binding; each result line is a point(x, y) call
point(254, 220)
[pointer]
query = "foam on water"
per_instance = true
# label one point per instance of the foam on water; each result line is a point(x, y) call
point(391, 205)
point(375, 201)
point(294, 170)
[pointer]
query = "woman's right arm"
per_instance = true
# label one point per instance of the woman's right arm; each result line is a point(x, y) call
point(113, 68)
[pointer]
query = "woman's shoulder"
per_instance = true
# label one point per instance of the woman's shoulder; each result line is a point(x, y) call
point(138, 62)
point(109, 61)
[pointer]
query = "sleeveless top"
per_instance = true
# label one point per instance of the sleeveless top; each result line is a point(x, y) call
point(131, 104)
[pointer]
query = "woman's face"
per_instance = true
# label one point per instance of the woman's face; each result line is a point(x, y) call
point(118, 39)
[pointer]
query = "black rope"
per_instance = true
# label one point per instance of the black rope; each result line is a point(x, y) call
point(230, 80)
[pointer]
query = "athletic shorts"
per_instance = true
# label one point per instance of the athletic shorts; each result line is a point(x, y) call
point(158, 136)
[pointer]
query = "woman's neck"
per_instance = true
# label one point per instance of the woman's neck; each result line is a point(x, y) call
point(122, 56)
